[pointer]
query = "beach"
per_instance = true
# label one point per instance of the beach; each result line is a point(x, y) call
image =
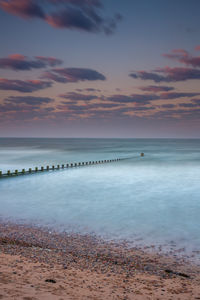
point(38, 263)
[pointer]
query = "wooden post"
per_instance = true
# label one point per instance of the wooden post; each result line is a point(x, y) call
point(9, 173)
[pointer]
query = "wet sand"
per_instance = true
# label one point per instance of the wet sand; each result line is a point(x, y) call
point(40, 264)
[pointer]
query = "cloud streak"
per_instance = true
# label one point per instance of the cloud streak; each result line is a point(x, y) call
point(120, 99)
point(77, 96)
point(18, 62)
point(24, 86)
point(156, 88)
point(65, 75)
point(170, 74)
point(32, 101)
point(134, 98)
point(175, 95)
point(26, 108)
point(184, 57)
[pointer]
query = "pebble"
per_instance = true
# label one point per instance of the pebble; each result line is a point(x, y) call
point(83, 252)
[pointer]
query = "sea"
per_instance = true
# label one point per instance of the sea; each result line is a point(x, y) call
point(151, 202)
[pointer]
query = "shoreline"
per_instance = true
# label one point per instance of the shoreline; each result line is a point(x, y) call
point(108, 270)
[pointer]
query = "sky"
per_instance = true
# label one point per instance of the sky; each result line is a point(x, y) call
point(100, 68)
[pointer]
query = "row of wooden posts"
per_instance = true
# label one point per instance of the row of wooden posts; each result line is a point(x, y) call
point(58, 167)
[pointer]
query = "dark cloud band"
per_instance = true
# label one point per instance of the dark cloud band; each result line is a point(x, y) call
point(85, 15)
point(65, 75)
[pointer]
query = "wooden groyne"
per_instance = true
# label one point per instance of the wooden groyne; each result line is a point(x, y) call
point(42, 169)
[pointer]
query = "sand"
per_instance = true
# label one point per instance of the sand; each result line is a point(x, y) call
point(40, 264)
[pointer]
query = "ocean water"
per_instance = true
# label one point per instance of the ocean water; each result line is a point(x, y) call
point(152, 200)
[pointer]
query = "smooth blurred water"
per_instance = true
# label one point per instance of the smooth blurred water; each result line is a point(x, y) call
point(153, 199)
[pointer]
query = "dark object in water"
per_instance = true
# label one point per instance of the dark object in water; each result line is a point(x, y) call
point(142, 154)
point(177, 273)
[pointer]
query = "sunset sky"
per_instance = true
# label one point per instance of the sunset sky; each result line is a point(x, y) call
point(100, 68)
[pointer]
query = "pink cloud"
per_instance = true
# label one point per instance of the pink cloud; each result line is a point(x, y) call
point(177, 54)
point(83, 15)
point(16, 57)
point(22, 8)
point(179, 74)
point(176, 95)
point(184, 57)
point(172, 74)
point(168, 74)
point(18, 62)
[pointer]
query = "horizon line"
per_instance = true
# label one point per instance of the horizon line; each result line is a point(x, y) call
point(122, 138)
